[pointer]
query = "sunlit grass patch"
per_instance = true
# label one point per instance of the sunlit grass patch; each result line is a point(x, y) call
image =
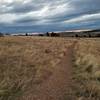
point(87, 68)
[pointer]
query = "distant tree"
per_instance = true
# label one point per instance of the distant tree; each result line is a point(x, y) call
point(1, 35)
point(84, 36)
point(76, 35)
point(98, 35)
point(26, 34)
point(40, 34)
point(89, 35)
point(7, 34)
point(47, 33)
point(54, 34)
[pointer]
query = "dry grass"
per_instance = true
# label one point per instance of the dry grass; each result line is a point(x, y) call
point(87, 69)
point(27, 61)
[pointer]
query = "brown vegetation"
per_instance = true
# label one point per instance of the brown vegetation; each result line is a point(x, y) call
point(33, 65)
point(87, 69)
point(26, 62)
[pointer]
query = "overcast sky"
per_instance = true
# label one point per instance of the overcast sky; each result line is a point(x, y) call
point(48, 15)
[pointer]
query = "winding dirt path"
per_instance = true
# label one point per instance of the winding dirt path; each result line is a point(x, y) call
point(57, 87)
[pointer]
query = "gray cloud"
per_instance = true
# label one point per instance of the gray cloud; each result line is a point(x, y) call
point(49, 15)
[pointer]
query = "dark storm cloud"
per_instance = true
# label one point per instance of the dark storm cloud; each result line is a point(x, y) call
point(24, 8)
point(49, 15)
point(86, 6)
point(27, 20)
point(17, 7)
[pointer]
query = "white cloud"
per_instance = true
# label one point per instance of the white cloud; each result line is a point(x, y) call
point(84, 18)
point(11, 1)
point(46, 11)
point(7, 18)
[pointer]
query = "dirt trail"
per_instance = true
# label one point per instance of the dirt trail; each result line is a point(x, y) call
point(57, 86)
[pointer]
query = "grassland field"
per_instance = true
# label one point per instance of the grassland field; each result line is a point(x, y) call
point(26, 62)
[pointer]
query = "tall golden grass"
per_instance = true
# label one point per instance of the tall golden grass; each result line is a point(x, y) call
point(87, 68)
point(25, 62)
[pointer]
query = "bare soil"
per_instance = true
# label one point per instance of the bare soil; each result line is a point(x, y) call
point(58, 85)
